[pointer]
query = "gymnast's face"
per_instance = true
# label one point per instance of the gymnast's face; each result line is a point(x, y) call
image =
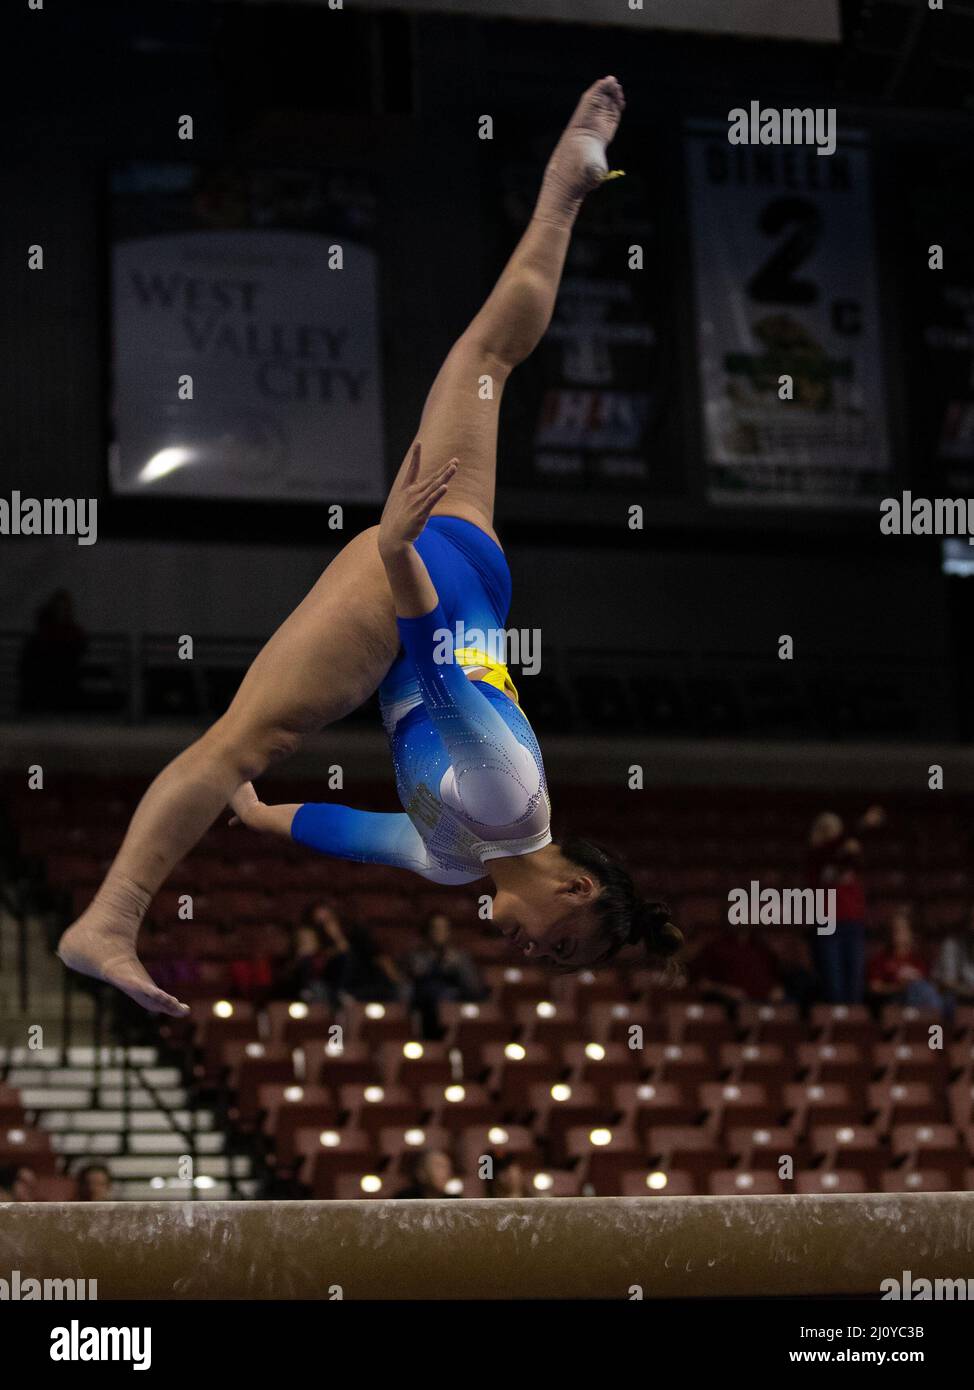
point(555, 926)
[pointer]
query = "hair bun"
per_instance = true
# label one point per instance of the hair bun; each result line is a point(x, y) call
point(652, 925)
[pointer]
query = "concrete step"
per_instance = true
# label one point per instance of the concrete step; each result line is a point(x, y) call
point(167, 1166)
point(92, 1145)
point(212, 1143)
point(143, 1121)
point(174, 1097)
point(155, 1149)
point(82, 1055)
point(38, 1077)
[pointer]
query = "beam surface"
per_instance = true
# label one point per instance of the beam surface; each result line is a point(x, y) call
point(582, 1247)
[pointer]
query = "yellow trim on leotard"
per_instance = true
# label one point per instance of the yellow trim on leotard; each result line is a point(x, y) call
point(495, 672)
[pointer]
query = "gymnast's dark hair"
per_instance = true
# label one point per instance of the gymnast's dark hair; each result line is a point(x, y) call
point(624, 918)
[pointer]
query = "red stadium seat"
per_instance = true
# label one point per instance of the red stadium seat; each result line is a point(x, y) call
point(813, 1102)
point(837, 1023)
point(655, 1103)
point(764, 1146)
point(460, 1104)
point(605, 1153)
point(393, 1141)
point(479, 1141)
point(904, 1102)
point(917, 1180)
point(604, 1064)
point(325, 1152)
point(827, 1181)
point(740, 1103)
point(657, 1182)
point(746, 1182)
point(376, 1107)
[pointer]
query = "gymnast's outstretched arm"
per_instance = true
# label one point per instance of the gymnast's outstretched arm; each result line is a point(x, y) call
point(368, 837)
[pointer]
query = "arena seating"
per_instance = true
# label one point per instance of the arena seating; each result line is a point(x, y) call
point(544, 1067)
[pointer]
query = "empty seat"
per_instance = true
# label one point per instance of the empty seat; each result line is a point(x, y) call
point(746, 1182)
point(375, 1107)
point(324, 1153)
point(738, 1102)
point(605, 1154)
point(658, 1182)
point(826, 1181)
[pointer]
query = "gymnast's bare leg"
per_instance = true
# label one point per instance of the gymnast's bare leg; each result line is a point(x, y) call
point(333, 651)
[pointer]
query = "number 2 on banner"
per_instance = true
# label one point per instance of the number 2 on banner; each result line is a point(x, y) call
point(774, 282)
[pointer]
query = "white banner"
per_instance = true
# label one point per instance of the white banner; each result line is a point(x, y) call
point(279, 345)
point(788, 322)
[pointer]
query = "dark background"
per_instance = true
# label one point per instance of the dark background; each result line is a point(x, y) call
point(702, 592)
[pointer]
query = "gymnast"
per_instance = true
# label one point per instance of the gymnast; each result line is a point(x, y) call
point(468, 768)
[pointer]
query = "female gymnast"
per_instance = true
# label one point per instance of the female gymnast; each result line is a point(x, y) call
point(468, 767)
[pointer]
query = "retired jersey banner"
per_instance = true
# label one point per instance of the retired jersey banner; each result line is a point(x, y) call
point(586, 407)
point(939, 277)
point(245, 335)
point(787, 313)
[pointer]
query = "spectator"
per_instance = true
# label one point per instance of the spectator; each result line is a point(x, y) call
point(509, 1180)
point(795, 969)
point(17, 1184)
point(835, 862)
point(898, 972)
point(327, 961)
point(438, 971)
point(50, 662)
point(954, 970)
point(431, 1173)
point(735, 966)
point(94, 1183)
point(316, 966)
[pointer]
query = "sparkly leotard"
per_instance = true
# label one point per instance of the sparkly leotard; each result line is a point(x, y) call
point(468, 767)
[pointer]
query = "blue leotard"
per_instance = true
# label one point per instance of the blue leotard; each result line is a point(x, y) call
point(468, 767)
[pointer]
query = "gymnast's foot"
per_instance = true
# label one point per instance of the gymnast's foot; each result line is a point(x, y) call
point(579, 164)
point(102, 944)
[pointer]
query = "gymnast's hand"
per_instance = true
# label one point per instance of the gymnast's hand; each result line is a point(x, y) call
point(249, 810)
point(245, 805)
point(410, 502)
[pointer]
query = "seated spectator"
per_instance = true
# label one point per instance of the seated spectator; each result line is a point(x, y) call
point(835, 862)
point(17, 1184)
point(735, 966)
point(898, 972)
point(327, 962)
point(431, 1172)
point(509, 1180)
point(795, 969)
point(439, 971)
point(253, 978)
point(954, 970)
point(95, 1183)
point(50, 662)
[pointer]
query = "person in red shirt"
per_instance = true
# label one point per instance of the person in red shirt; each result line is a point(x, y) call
point(899, 972)
point(835, 862)
point(736, 966)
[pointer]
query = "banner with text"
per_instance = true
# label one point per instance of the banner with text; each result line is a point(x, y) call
point(245, 336)
point(787, 313)
point(587, 407)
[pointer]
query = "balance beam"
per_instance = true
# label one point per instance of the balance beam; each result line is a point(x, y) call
point(580, 1247)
